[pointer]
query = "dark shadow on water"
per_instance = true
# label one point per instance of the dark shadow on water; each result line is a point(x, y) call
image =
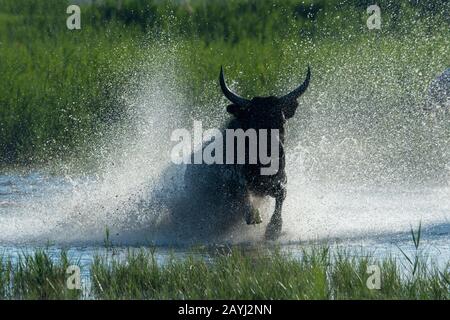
point(208, 206)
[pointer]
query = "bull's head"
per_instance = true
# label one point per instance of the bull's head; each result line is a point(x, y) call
point(263, 112)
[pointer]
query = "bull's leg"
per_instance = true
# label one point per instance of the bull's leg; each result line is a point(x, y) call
point(252, 215)
point(273, 230)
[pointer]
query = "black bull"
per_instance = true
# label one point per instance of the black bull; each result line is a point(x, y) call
point(211, 201)
point(229, 186)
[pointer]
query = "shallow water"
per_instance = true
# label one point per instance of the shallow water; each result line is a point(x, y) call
point(362, 220)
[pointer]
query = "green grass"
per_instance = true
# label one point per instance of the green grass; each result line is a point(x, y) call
point(36, 276)
point(232, 273)
point(315, 272)
point(60, 90)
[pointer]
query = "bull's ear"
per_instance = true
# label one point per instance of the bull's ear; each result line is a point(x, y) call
point(289, 110)
point(236, 110)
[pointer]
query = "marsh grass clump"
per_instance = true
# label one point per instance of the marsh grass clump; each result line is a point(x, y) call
point(239, 274)
point(234, 273)
point(36, 276)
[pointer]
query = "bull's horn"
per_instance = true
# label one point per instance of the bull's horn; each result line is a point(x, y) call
point(300, 90)
point(230, 94)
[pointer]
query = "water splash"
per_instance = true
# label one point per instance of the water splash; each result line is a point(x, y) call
point(362, 162)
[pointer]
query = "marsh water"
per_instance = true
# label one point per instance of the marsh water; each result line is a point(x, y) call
point(361, 220)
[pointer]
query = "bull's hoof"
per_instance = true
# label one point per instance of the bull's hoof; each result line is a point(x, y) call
point(253, 217)
point(273, 230)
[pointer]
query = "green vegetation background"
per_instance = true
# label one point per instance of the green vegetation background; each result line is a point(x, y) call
point(59, 89)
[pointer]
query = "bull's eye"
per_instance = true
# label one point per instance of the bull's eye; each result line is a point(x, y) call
point(236, 110)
